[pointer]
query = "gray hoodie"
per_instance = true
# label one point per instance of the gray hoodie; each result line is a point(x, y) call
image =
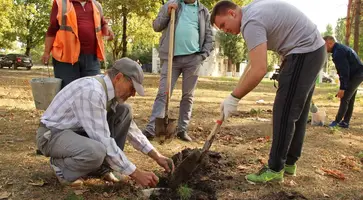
point(161, 23)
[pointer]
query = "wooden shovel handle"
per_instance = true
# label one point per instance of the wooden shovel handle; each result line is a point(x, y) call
point(170, 60)
point(215, 130)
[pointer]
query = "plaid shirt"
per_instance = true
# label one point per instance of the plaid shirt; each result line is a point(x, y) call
point(81, 105)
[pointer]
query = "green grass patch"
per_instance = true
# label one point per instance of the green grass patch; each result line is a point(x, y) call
point(73, 196)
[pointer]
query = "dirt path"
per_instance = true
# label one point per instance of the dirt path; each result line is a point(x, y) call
point(242, 145)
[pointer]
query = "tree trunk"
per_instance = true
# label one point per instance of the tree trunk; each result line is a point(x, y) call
point(28, 45)
point(28, 39)
point(124, 35)
point(348, 24)
point(356, 25)
point(229, 68)
point(27, 51)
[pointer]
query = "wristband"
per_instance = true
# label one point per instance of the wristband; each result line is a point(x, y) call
point(235, 96)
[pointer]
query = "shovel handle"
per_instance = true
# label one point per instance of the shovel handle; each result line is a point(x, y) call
point(211, 136)
point(170, 60)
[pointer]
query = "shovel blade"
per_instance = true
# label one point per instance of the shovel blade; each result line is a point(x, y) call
point(165, 129)
point(185, 169)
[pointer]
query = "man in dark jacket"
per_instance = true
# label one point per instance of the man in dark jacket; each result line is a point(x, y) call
point(350, 71)
point(193, 44)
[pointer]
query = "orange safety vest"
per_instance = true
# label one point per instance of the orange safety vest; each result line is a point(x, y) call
point(67, 47)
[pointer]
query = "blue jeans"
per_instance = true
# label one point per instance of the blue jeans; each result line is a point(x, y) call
point(87, 65)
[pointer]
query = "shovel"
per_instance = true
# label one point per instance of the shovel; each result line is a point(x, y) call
point(165, 127)
point(193, 160)
point(183, 171)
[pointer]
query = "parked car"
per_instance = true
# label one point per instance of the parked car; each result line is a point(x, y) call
point(1, 57)
point(14, 61)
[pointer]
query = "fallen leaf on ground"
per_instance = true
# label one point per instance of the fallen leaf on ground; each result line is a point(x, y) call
point(334, 173)
point(105, 194)
point(351, 162)
point(79, 192)
point(39, 182)
point(326, 195)
point(242, 167)
point(291, 183)
point(262, 161)
point(4, 195)
point(263, 139)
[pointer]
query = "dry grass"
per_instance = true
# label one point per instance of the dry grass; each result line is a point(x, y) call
point(21, 170)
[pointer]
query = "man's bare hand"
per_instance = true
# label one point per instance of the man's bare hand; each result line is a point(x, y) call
point(340, 94)
point(172, 6)
point(166, 163)
point(145, 178)
point(45, 58)
point(110, 35)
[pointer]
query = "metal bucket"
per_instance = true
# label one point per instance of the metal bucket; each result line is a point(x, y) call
point(44, 90)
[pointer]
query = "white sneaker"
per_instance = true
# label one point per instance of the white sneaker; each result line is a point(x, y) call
point(59, 174)
point(109, 176)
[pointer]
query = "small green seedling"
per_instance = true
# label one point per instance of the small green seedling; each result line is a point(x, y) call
point(255, 112)
point(184, 192)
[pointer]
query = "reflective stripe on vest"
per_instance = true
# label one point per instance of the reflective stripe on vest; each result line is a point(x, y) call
point(64, 11)
point(64, 18)
point(97, 29)
point(66, 46)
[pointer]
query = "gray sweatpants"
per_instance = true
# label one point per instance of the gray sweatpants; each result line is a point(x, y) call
point(188, 66)
point(76, 154)
point(291, 106)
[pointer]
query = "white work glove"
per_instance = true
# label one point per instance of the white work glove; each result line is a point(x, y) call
point(228, 106)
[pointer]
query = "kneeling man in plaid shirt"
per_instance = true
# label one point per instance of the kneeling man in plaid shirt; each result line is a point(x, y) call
point(84, 129)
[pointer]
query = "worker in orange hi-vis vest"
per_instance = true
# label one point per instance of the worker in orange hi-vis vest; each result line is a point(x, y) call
point(74, 38)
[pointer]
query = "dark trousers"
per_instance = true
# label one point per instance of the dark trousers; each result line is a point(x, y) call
point(87, 65)
point(291, 106)
point(347, 102)
point(78, 155)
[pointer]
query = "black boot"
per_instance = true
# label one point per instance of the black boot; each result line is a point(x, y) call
point(183, 135)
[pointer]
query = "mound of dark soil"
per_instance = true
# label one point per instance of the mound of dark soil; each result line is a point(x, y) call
point(282, 195)
point(203, 181)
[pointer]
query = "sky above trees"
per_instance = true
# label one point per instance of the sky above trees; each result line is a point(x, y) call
point(322, 12)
